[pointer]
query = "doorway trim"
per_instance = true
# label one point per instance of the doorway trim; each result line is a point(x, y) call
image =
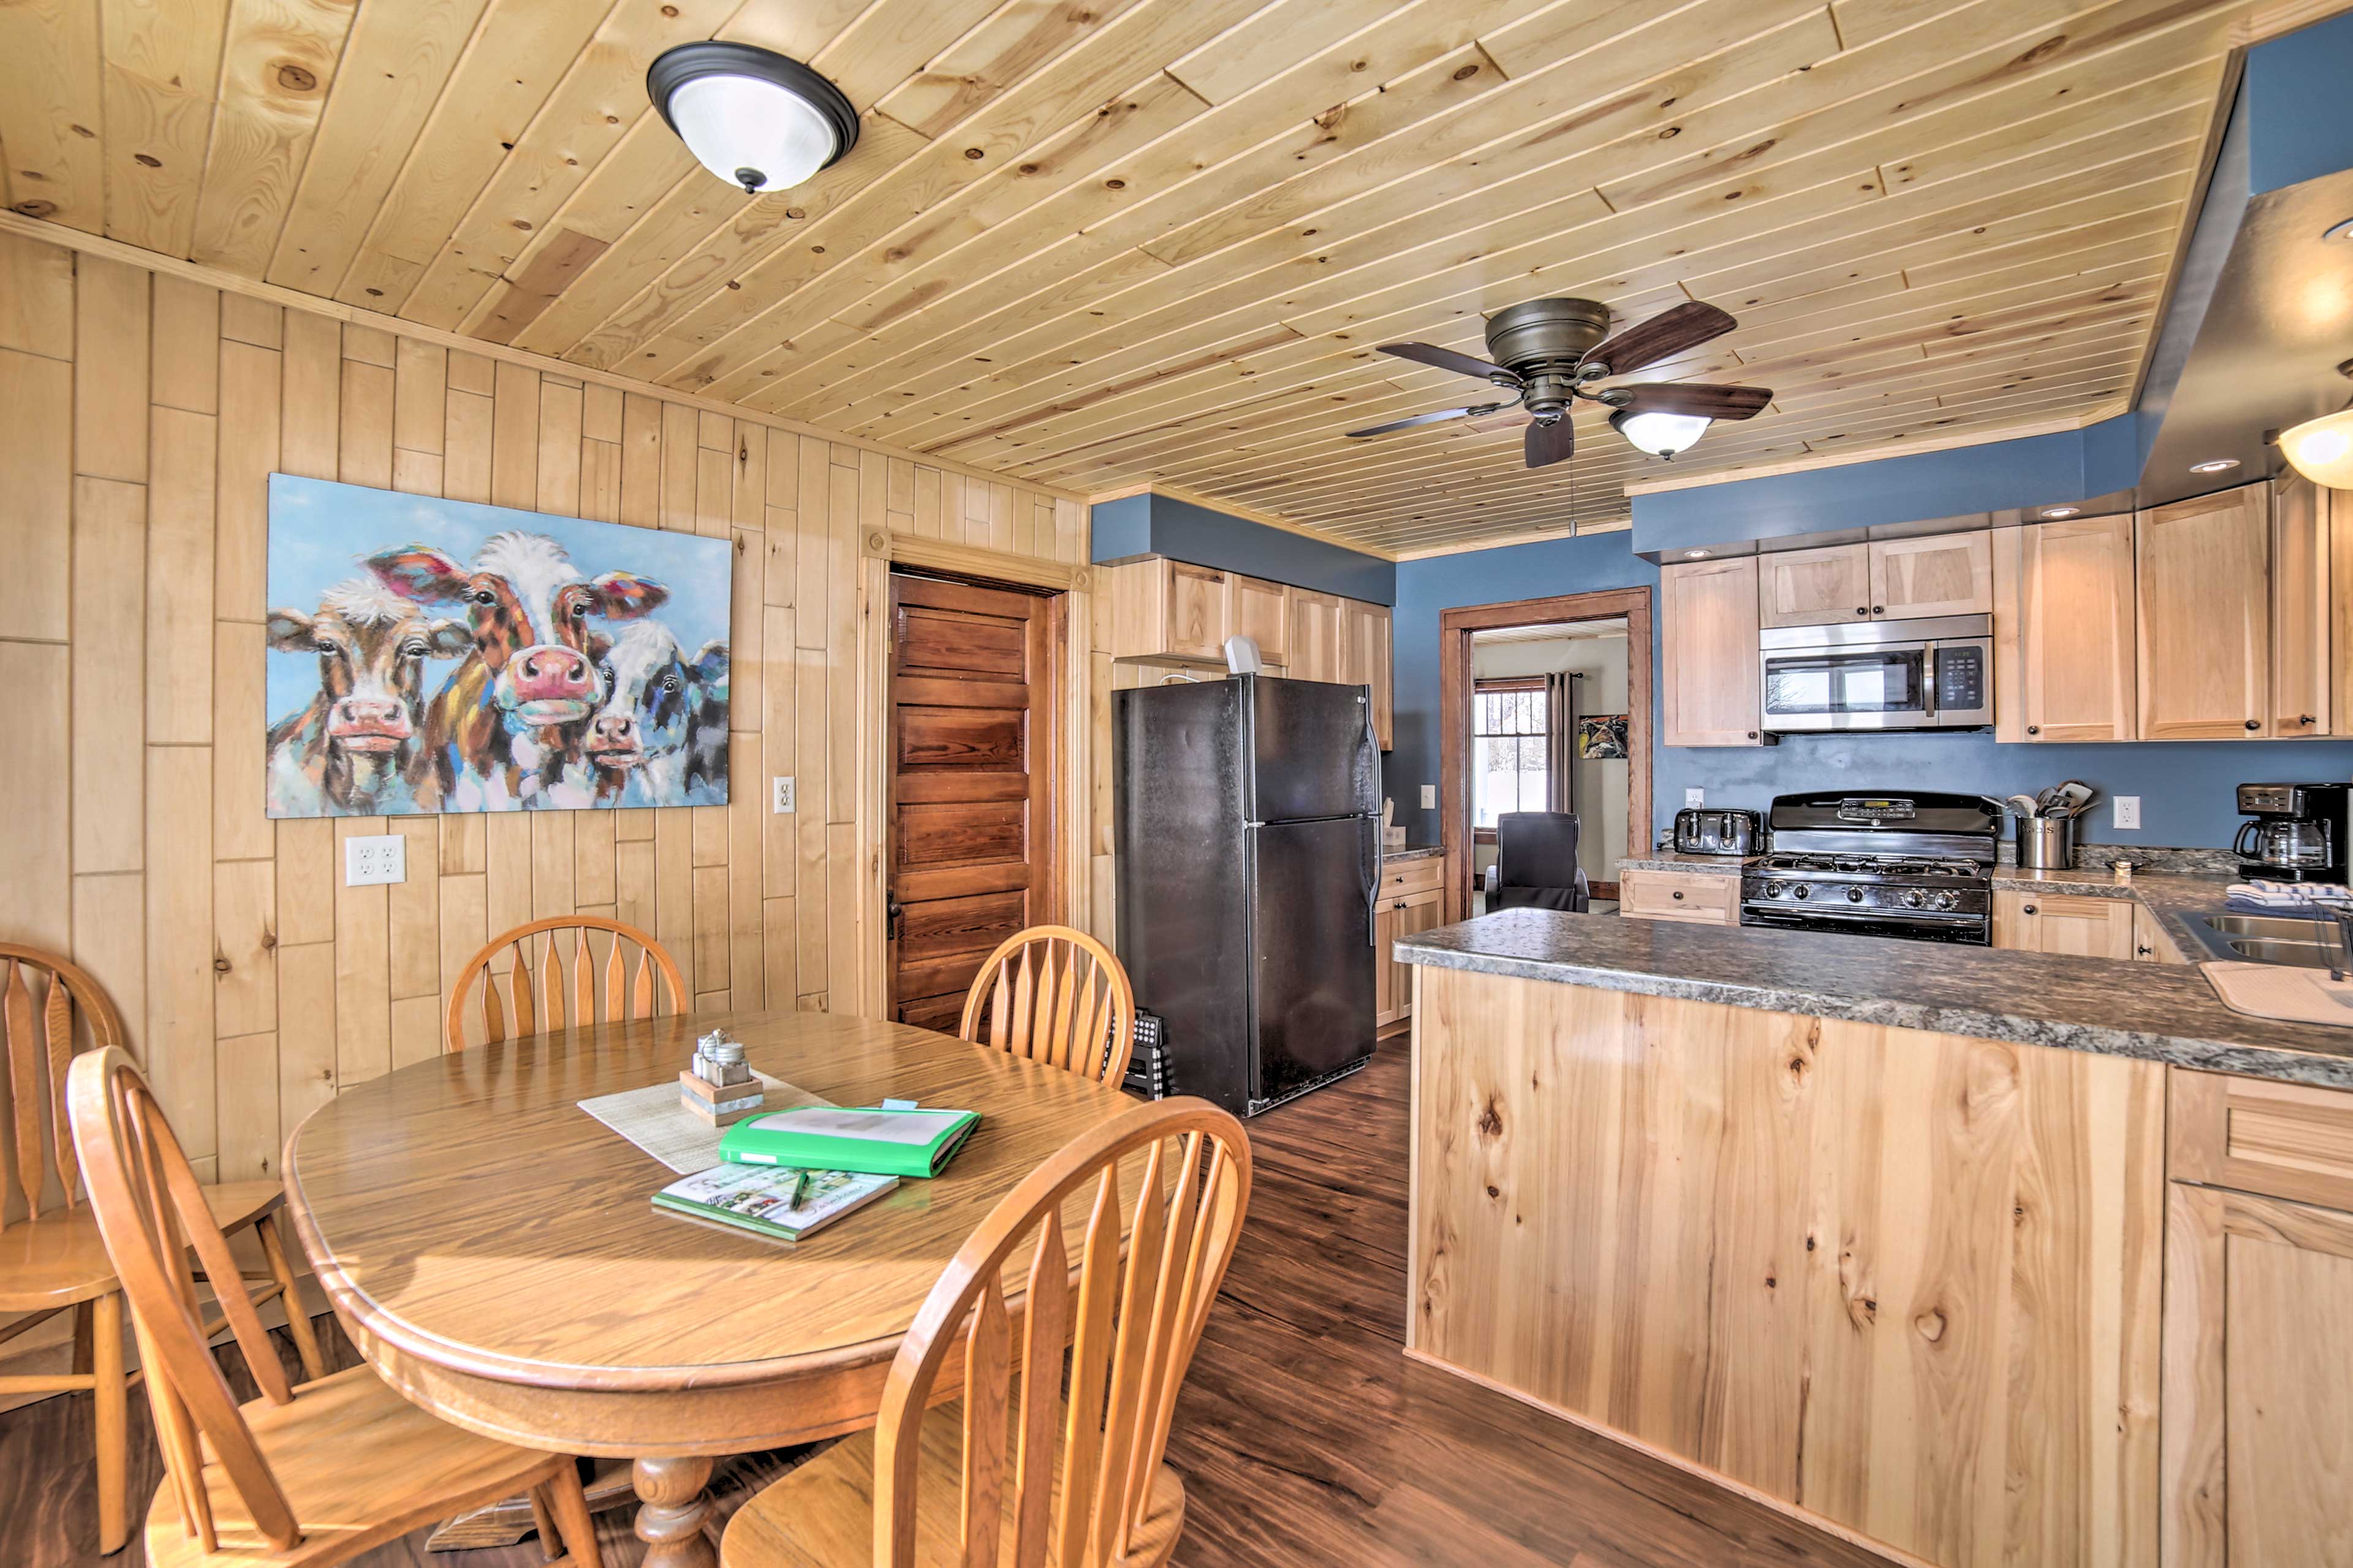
point(1455, 673)
point(1069, 587)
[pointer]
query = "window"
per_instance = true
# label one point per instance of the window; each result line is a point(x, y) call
point(1511, 737)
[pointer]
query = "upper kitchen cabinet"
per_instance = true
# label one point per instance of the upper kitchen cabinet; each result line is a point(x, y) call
point(1708, 619)
point(2063, 657)
point(1260, 611)
point(2304, 684)
point(1365, 658)
point(1943, 574)
point(1814, 587)
point(1315, 637)
point(1168, 609)
point(2205, 617)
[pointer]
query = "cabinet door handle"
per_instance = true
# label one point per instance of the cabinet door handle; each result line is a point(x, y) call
point(1752, 734)
point(1861, 610)
point(1679, 896)
point(1878, 609)
point(2027, 910)
point(2034, 729)
point(2143, 951)
point(2255, 723)
point(2306, 718)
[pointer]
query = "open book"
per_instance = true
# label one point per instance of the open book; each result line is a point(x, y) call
point(760, 1198)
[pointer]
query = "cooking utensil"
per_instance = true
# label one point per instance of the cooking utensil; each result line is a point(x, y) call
point(2076, 796)
point(2025, 805)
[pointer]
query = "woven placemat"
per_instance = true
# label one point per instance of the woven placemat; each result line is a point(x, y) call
point(2288, 992)
point(653, 1120)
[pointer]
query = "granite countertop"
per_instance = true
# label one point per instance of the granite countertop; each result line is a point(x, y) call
point(2155, 1012)
point(1419, 852)
point(1676, 860)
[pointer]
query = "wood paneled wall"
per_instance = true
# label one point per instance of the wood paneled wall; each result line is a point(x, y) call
point(140, 414)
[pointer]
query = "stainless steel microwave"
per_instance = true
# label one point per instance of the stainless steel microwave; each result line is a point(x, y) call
point(1928, 674)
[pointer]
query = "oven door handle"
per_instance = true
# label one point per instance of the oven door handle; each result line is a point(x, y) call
point(1928, 680)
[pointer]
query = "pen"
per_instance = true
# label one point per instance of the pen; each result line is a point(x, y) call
point(800, 1190)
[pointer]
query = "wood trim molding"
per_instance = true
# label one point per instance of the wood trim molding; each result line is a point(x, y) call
point(68, 238)
point(1874, 454)
point(1071, 900)
point(2267, 22)
point(1454, 679)
point(1533, 536)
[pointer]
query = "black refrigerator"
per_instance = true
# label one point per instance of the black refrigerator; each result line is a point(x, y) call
point(1247, 817)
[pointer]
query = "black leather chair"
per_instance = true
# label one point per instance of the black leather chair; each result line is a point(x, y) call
point(1535, 863)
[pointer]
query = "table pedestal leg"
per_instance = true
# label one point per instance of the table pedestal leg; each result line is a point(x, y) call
point(671, 1509)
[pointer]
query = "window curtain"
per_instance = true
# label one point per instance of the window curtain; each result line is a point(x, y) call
point(1560, 741)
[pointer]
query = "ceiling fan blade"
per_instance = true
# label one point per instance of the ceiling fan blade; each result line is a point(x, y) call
point(1549, 444)
point(1664, 336)
point(1447, 359)
point(1443, 413)
point(1706, 402)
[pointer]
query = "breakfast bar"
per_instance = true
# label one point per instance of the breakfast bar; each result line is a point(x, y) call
point(1939, 1246)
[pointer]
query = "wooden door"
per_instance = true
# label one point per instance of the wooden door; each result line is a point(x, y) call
point(1708, 611)
point(1315, 636)
point(1260, 611)
point(2074, 927)
point(2301, 680)
point(973, 742)
point(1815, 587)
point(2075, 630)
point(2205, 617)
point(1944, 574)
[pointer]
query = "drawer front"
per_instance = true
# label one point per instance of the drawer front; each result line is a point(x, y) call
point(1706, 898)
point(1413, 877)
point(2280, 1139)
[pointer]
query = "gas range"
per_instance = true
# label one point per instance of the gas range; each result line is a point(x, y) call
point(1916, 866)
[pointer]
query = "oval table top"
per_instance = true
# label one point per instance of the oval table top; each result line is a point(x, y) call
point(493, 1248)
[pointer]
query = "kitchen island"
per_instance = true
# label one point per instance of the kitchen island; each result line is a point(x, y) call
point(1982, 1257)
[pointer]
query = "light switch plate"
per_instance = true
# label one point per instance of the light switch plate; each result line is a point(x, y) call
point(1429, 797)
point(2127, 812)
point(1694, 798)
point(783, 804)
point(380, 857)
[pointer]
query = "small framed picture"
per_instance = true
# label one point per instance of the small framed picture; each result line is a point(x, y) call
point(1601, 736)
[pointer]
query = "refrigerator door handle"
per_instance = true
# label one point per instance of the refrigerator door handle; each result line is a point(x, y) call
point(1380, 829)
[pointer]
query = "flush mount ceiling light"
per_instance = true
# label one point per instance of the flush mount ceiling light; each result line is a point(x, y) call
point(2219, 465)
point(2322, 449)
point(2061, 511)
point(2340, 231)
point(1661, 435)
point(750, 116)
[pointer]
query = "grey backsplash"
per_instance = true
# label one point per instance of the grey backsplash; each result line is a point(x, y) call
point(2189, 862)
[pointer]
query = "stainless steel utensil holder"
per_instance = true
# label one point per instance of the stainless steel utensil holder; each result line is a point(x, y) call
point(2046, 842)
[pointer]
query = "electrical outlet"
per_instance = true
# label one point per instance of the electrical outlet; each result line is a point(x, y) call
point(382, 858)
point(783, 802)
point(2128, 813)
point(1429, 797)
point(1694, 798)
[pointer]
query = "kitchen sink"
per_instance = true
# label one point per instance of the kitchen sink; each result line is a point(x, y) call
point(2271, 950)
point(2269, 926)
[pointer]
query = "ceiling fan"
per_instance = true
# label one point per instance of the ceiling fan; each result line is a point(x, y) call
point(1547, 352)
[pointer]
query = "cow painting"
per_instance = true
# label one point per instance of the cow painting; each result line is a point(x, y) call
point(538, 662)
point(356, 749)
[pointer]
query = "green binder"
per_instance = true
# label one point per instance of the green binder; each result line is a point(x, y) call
point(884, 1141)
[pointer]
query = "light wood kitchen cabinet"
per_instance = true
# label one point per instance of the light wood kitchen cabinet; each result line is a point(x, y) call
point(2069, 925)
point(1393, 981)
point(2064, 655)
point(2303, 682)
point(1365, 658)
point(2257, 1394)
point(1696, 898)
point(2205, 617)
point(1814, 587)
point(1941, 575)
point(1708, 662)
point(1260, 611)
point(2150, 944)
point(1315, 636)
point(1168, 609)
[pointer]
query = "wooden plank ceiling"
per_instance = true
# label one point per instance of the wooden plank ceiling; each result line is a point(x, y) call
point(1098, 244)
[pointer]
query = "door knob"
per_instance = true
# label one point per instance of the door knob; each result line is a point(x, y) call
point(892, 911)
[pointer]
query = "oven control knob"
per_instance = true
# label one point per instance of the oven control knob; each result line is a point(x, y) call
point(1854, 895)
point(1913, 897)
point(1947, 899)
point(1775, 890)
point(1800, 891)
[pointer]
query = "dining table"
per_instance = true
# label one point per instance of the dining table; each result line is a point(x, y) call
point(492, 1249)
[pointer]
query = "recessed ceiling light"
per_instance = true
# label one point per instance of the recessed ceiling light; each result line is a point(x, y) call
point(2218, 465)
point(751, 116)
point(1695, 554)
point(2341, 231)
point(2061, 511)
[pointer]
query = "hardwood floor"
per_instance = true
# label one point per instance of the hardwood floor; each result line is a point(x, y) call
point(1303, 1434)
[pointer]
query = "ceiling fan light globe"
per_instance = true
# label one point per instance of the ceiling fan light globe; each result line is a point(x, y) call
point(1661, 435)
point(2322, 449)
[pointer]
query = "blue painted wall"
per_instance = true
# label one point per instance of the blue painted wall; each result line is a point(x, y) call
point(1151, 524)
point(2299, 91)
point(2185, 786)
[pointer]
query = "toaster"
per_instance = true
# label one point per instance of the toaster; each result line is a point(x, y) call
point(1710, 832)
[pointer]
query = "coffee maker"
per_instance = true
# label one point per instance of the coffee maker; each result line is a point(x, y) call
point(2295, 832)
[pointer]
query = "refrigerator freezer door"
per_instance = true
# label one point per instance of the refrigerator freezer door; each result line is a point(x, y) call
point(1309, 750)
point(1311, 975)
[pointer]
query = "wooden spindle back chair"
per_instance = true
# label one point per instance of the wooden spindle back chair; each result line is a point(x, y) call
point(53, 1260)
point(556, 980)
point(1059, 1464)
point(1055, 995)
point(238, 1479)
